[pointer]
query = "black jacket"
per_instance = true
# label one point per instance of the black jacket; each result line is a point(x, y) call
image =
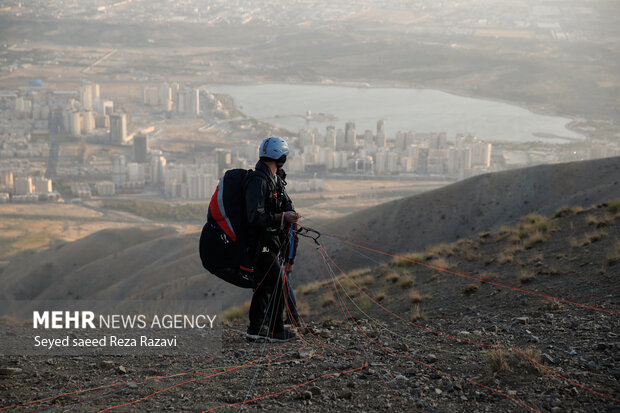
point(265, 196)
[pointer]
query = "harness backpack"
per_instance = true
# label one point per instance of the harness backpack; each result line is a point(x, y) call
point(223, 241)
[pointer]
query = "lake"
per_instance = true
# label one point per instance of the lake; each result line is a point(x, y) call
point(419, 110)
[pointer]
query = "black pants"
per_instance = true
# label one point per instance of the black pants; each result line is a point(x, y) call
point(265, 309)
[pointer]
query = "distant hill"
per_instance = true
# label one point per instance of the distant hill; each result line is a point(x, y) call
point(463, 209)
point(138, 263)
point(120, 264)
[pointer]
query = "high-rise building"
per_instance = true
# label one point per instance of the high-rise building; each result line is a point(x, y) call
point(381, 137)
point(422, 161)
point(368, 138)
point(105, 188)
point(86, 97)
point(6, 180)
point(75, 123)
point(481, 154)
point(88, 122)
point(118, 128)
point(23, 185)
point(350, 136)
point(330, 137)
point(340, 140)
point(140, 148)
point(151, 95)
point(188, 101)
point(119, 170)
point(165, 96)
point(158, 169)
point(104, 107)
point(42, 185)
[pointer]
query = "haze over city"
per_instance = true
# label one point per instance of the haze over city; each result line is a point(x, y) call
point(456, 160)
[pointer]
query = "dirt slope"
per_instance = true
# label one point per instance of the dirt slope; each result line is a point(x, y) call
point(481, 203)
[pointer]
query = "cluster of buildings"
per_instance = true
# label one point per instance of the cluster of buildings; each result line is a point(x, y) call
point(146, 169)
point(26, 188)
point(168, 97)
point(522, 18)
point(374, 153)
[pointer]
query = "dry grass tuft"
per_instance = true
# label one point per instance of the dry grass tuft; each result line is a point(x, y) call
point(443, 249)
point(508, 254)
point(613, 256)
point(440, 263)
point(613, 206)
point(380, 296)
point(599, 221)
point(497, 360)
point(592, 237)
point(533, 363)
point(392, 277)
point(526, 277)
point(487, 276)
point(406, 282)
point(414, 296)
point(471, 288)
point(503, 233)
point(366, 280)
point(417, 314)
point(567, 211)
point(237, 312)
point(537, 237)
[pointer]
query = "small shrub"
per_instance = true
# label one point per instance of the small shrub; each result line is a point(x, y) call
point(471, 288)
point(444, 249)
point(392, 277)
point(470, 256)
point(504, 258)
point(414, 296)
point(526, 277)
point(497, 360)
point(533, 363)
point(487, 276)
point(380, 296)
point(534, 238)
point(417, 314)
point(599, 221)
point(441, 263)
point(614, 206)
point(406, 282)
point(573, 242)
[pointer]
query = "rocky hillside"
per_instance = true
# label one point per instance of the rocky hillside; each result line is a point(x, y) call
point(523, 318)
point(481, 203)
